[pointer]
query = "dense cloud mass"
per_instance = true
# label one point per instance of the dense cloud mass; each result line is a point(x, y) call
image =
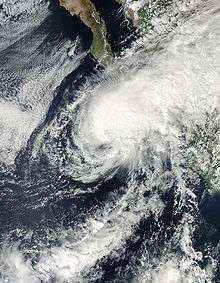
point(109, 169)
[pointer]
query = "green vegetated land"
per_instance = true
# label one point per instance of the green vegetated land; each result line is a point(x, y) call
point(88, 14)
point(142, 18)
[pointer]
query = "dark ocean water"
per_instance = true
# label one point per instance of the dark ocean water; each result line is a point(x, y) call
point(45, 207)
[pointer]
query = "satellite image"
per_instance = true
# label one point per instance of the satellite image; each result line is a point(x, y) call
point(109, 141)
